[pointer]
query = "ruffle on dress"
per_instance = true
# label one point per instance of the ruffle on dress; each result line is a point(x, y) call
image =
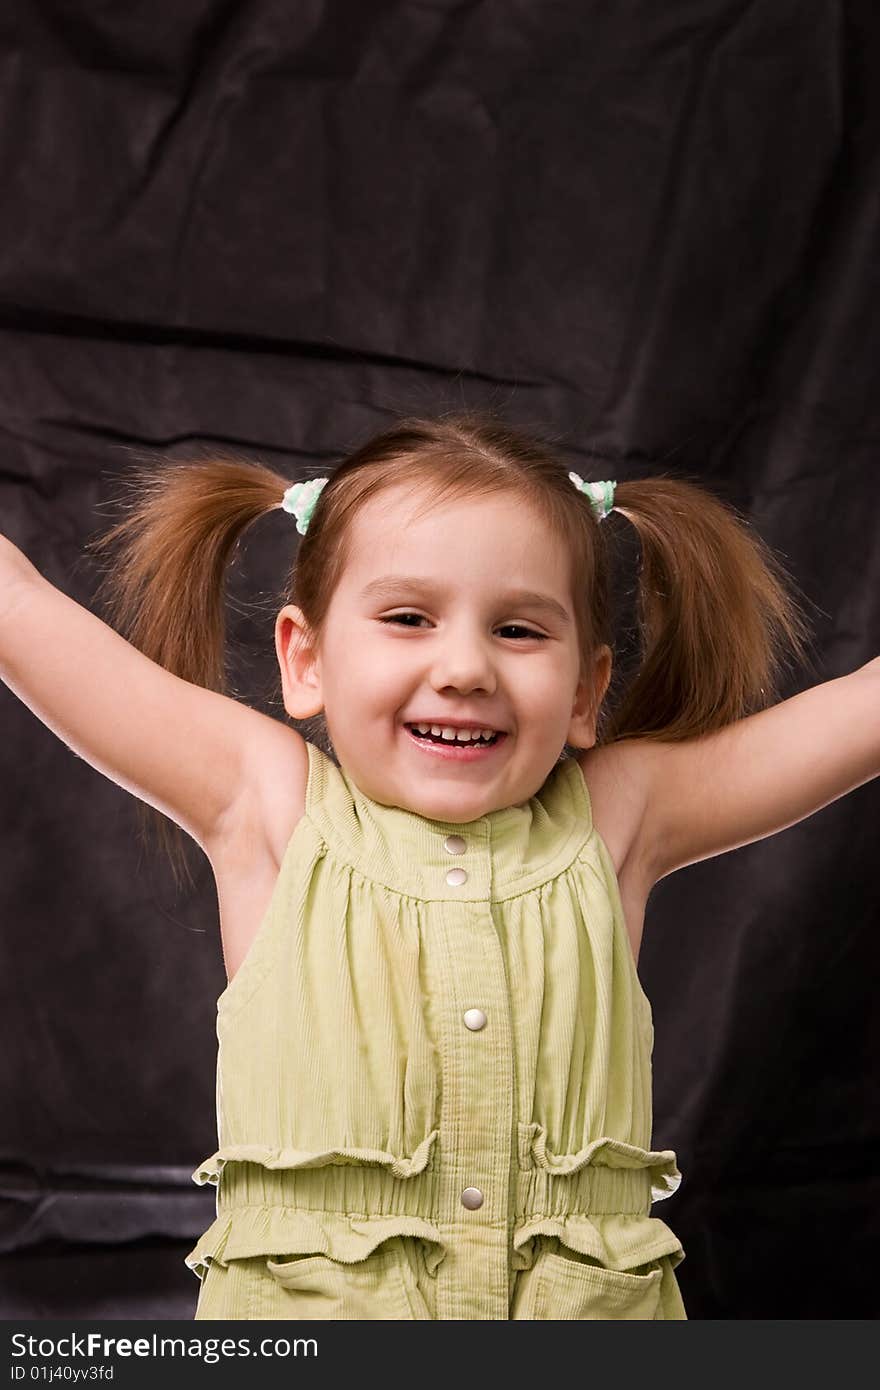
point(209, 1171)
point(279, 1231)
point(604, 1152)
point(619, 1242)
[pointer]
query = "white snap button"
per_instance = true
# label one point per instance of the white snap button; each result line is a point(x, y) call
point(472, 1198)
point(456, 877)
point(454, 844)
point(475, 1019)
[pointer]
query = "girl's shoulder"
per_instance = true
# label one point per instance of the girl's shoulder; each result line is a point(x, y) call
point(270, 802)
point(247, 860)
point(280, 770)
point(616, 778)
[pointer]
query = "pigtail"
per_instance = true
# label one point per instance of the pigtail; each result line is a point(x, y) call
point(164, 586)
point(717, 612)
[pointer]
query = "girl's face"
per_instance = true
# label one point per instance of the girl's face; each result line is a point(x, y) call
point(431, 623)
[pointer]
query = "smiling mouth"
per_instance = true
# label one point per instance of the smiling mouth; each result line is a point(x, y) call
point(456, 742)
point(463, 750)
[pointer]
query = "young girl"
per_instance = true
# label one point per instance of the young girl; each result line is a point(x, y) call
point(434, 1069)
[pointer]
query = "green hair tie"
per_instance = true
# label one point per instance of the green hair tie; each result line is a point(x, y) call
point(601, 495)
point(300, 499)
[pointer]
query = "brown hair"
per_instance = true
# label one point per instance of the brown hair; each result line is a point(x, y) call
point(716, 612)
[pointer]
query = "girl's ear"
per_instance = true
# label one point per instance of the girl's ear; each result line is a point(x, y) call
point(588, 700)
point(299, 664)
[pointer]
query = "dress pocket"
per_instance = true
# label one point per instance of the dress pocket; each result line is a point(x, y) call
point(392, 1282)
point(563, 1284)
point(232, 1290)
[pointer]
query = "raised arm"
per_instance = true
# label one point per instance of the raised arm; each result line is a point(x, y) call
point(184, 750)
point(761, 774)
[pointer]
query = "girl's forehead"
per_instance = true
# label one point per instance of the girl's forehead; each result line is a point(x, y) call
point(453, 545)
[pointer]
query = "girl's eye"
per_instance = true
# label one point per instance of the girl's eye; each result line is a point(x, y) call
point(509, 627)
point(513, 627)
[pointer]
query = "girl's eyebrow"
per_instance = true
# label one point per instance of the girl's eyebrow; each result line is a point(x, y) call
point(389, 584)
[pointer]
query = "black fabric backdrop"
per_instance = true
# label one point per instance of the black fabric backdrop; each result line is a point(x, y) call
point(647, 233)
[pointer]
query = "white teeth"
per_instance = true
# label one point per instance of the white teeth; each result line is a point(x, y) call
point(445, 731)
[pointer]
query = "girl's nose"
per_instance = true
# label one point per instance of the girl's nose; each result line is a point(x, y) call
point(463, 662)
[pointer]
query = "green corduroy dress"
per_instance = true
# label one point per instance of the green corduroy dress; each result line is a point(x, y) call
point(434, 1077)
